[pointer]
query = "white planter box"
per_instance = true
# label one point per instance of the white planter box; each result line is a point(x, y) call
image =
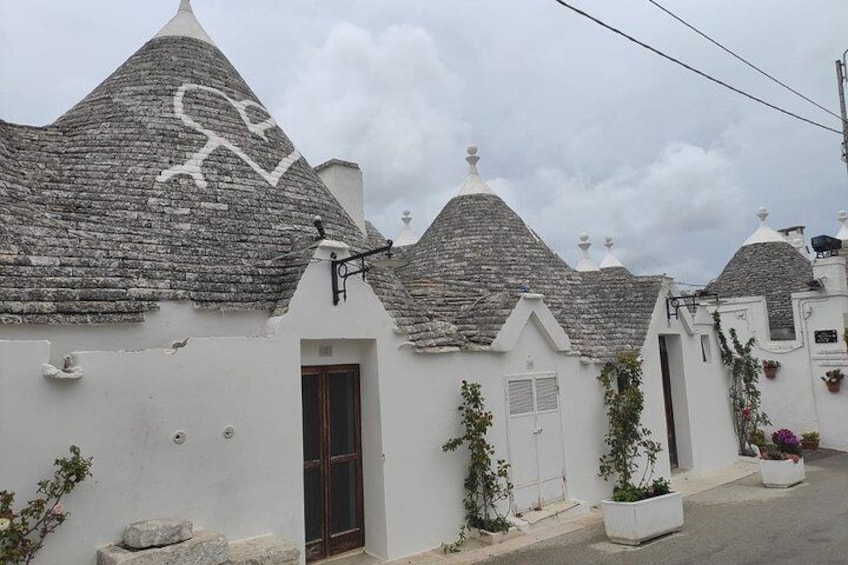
point(781, 474)
point(631, 523)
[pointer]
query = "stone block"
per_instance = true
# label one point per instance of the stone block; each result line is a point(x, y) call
point(157, 533)
point(265, 550)
point(205, 548)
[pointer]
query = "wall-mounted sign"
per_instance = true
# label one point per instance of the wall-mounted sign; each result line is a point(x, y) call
point(825, 336)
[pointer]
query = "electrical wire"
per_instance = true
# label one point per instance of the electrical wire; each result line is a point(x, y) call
point(693, 69)
point(742, 59)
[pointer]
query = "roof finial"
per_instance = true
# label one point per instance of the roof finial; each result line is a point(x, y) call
point(764, 234)
point(184, 24)
point(843, 229)
point(610, 260)
point(406, 235)
point(473, 183)
point(472, 159)
point(585, 264)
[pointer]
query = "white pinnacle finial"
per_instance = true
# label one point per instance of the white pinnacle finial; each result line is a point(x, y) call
point(764, 234)
point(472, 159)
point(843, 229)
point(406, 235)
point(585, 263)
point(610, 260)
point(184, 24)
point(473, 184)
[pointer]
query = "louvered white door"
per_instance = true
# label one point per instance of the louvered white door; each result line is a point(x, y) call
point(535, 440)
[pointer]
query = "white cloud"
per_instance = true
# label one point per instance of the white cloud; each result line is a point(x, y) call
point(385, 100)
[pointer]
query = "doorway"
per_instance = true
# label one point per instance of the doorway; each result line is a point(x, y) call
point(669, 404)
point(332, 460)
point(534, 438)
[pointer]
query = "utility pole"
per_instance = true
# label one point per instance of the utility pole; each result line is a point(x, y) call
point(840, 77)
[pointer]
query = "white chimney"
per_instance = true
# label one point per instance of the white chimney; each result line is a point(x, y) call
point(831, 271)
point(344, 179)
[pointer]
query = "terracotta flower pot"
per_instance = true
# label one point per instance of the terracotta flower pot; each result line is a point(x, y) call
point(770, 372)
point(811, 445)
point(833, 386)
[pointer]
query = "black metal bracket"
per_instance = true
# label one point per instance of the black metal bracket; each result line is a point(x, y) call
point(674, 303)
point(339, 269)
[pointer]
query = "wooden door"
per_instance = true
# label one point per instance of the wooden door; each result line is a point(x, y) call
point(332, 461)
point(669, 404)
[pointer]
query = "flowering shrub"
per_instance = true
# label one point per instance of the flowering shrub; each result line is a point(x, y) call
point(628, 439)
point(22, 533)
point(785, 445)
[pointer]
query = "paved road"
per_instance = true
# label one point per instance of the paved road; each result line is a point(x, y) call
point(738, 523)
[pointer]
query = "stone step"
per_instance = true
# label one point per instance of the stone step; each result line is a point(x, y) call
point(264, 550)
point(204, 548)
point(157, 533)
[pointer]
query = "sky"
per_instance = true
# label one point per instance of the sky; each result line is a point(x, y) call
point(578, 129)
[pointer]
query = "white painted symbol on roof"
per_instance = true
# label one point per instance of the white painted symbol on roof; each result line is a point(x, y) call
point(193, 166)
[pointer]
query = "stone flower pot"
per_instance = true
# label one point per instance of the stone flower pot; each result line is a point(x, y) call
point(781, 474)
point(631, 523)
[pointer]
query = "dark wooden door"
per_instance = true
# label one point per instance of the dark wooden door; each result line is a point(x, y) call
point(332, 460)
point(669, 405)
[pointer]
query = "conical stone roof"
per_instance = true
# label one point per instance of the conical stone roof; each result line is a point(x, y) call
point(169, 181)
point(773, 270)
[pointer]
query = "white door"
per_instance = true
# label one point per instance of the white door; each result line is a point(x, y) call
point(534, 432)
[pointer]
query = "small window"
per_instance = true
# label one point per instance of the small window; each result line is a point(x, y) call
point(520, 397)
point(706, 354)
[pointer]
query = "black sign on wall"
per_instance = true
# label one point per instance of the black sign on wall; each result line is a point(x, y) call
point(825, 336)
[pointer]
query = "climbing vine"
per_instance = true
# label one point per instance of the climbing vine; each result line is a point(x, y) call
point(744, 369)
point(487, 481)
point(627, 438)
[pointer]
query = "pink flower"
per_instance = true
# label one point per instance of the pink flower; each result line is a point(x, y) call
point(58, 509)
point(746, 413)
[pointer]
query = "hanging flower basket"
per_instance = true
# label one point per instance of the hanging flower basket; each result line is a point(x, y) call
point(770, 368)
point(833, 379)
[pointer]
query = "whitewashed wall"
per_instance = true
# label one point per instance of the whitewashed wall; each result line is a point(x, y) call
point(127, 407)
point(797, 398)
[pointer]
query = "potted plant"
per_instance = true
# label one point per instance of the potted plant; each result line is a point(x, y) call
point(810, 440)
point(832, 379)
point(782, 461)
point(643, 510)
point(770, 367)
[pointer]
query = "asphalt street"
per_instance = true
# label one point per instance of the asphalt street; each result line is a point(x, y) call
point(739, 522)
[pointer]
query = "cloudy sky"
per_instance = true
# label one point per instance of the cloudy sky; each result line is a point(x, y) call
point(578, 129)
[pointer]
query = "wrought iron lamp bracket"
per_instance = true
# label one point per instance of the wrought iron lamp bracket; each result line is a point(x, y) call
point(674, 303)
point(340, 269)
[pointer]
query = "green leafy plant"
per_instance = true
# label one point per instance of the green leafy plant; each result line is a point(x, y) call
point(627, 439)
point(757, 437)
point(745, 372)
point(811, 436)
point(22, 533)
point(487, 481)
point(771, 364)
point(833, 376)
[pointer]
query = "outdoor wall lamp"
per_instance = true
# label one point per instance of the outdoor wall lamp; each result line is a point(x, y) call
point(690, 301)
point(339, 269)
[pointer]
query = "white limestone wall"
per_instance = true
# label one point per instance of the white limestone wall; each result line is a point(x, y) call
point(172, 322)
point(125, 411)
point(128, 405)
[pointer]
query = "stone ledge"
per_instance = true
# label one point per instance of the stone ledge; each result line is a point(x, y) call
point(264, 550)
point(205, 548)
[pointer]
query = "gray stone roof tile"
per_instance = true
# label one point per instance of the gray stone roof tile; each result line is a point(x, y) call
point(84, 202)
